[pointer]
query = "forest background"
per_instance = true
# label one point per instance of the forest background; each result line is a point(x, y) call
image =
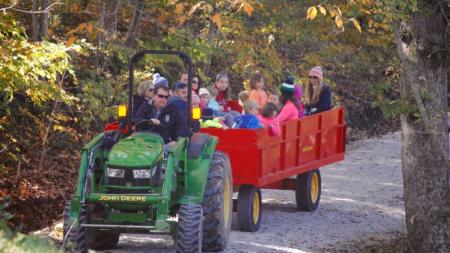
point(64, 70)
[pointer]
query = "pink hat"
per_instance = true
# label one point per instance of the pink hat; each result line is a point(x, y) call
point(317, 71)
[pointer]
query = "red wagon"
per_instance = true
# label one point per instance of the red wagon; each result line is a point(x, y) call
point(261, 161)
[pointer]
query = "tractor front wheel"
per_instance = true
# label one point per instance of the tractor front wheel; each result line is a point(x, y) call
point(76, 235)
point(189, 228)
point(308, 189)
point(218, 204)
point(249, 208)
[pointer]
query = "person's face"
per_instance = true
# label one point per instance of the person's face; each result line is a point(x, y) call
point(184, 78)
point(182, 93)
point(260, 84)
point(160, 98)
point(195, 83)
point(149, 93)
point(204, 99)
point(274, 99)
point(314, 80)
point(222, 84)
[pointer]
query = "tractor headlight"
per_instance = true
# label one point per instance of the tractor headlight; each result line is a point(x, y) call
point(115, 172)
point(141, 173)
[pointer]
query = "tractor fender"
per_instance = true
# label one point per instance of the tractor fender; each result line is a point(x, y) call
point(199, 156)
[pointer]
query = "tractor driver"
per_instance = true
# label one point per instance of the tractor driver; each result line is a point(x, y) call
point(160, 117)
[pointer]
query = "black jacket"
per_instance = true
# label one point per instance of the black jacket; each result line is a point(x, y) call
point(324, 103)
point(172, 123)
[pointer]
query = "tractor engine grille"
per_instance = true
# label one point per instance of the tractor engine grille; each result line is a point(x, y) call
point(128, 180)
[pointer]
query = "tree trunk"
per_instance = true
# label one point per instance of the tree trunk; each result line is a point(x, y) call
point(421, 45)
point(132, 31)
point(43, 20)
point(35, 21)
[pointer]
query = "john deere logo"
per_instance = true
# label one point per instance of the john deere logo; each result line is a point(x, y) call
point(122, 198)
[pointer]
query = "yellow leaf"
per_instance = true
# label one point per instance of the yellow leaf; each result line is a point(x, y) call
point(90, 28)
point(71, 40)
point(181, 20)
point(248, 8)
point(322, 10)
point(195, 7)
point(333, 13)
point(339, 21)
point(338, 10)
point(217, 19)
point(57, 127)
point(356, 24)
point(179, 8)
point(311, 13)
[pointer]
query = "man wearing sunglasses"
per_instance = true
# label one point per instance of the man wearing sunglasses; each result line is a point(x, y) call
point(161, 117)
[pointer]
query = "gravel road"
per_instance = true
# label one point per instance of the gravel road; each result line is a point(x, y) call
point(362, 198)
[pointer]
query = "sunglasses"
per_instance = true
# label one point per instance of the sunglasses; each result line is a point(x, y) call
point(162, 96)
point(313, 77)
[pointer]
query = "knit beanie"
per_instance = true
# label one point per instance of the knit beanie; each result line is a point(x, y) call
point(317, 71)
point(288, 85)
point(158, 80)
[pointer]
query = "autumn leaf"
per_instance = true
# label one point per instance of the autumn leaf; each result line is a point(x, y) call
point(217, 19)
point(179, 8)
point(248, 8)
point(322, 10)
point(339, 21)
point(194, 8)
point(356, 24)
point(71, 40)
point(181, 20)
point(311, 13)
point(90, 28)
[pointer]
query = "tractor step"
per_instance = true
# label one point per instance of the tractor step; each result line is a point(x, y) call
point(118, 226)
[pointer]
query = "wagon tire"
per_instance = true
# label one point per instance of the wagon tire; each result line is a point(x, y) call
point(218, 204)
point(249, 209)
point(189, 228)
point(308, 190)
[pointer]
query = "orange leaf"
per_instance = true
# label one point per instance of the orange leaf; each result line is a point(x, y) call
point(217, 19)
point(71, 40)
point(181, 20)
point(248, 8)
point(179, 8)
point(90, 28)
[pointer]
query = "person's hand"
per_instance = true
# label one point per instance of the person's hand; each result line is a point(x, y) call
point(225, 127)
point(171, 144)
point(154, 121)
point(221, 108)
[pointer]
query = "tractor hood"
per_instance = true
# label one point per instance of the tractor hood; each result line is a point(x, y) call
point(136, 151)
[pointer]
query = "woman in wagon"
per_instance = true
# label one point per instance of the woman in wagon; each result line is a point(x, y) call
point(290, 106)
point(318, 95)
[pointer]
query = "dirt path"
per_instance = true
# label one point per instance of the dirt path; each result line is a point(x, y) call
point(361, 200)
point(361, 203)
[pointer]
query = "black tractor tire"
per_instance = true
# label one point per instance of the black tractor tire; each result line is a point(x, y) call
point(77, 239)
point(308, 190)
point(218, 204)
point(189, 228)
point(104, 240)
point(249, 209)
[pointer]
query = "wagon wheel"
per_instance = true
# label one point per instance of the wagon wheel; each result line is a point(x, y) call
point(308, 189)
point(249, 208)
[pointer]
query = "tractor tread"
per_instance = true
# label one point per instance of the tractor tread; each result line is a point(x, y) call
point(189, 231)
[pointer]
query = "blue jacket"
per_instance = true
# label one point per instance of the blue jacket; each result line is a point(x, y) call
point(247, 121)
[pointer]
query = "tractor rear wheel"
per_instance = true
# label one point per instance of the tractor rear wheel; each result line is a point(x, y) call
point(308, 189)
point(189, 228)
point(218, 204)
point(249, 208)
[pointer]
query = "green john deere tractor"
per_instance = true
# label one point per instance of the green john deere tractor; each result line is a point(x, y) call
point(128, 184)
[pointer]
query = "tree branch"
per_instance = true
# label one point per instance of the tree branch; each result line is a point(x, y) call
point(46, 10)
